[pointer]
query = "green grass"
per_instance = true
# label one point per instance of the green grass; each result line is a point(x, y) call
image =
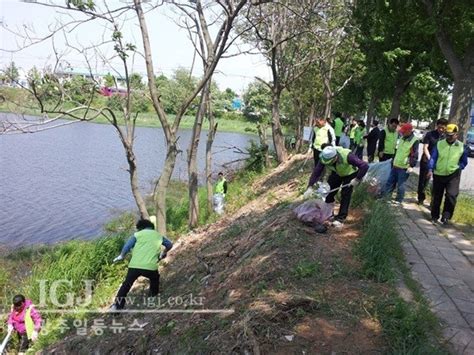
point(306, 269)
point(409, 327)
point(464, 212)
point(379, 245)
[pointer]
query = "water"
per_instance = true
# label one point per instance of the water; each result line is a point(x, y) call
point(65, 183)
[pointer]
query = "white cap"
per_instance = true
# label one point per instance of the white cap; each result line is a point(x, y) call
point(328, 154)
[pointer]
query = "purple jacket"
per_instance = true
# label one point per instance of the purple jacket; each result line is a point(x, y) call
point(17, 319)
point(361, 165)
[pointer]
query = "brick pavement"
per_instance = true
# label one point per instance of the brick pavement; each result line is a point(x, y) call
point(442, 261)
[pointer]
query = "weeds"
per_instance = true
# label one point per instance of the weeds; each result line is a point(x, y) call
point(379, 244)
point(408, 327)
point(305, 269)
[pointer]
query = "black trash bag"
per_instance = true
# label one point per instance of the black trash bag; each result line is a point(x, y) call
point(320, 228)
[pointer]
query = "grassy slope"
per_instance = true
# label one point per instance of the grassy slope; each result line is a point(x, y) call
point(281, 278)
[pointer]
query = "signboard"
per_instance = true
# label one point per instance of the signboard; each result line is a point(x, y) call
point(307, 133)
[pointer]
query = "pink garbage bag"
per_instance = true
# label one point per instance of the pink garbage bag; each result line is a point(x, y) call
point(314, 211)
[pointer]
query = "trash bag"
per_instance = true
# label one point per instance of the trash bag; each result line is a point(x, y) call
point(218, 203)
point(377, 175)
point(314, 211)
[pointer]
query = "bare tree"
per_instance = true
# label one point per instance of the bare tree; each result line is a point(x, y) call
point(211, 54)
point(199, 18)
point(281, 31)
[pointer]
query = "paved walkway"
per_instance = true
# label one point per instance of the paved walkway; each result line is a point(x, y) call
point(442, 262)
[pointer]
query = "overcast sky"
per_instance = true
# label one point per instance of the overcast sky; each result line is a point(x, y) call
point(170, 45)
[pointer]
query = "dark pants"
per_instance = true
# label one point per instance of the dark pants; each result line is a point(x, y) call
point(334, 181)
point(24, 342)
point(352, 144)
point(316, 156)
point(386, 157)
point(132, 276)
point(398, 178)
point(450, 185)
point(423, 181)
point(337, 140)
point(371, 152)
point(359, 152)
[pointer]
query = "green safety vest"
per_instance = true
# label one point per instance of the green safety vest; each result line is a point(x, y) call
point(146, 250)
point(353, 132)
point(220, 186)
point(320, 136)
point(390, 141)
point(338, 125)
point(342, 166)
point(29, 324)
point(448, 157)
point(401, 159)
point(358, 136)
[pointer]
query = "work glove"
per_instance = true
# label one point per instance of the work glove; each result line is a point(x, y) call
point(118, 258)
point(163, 255)
point(380, 155)
point(354, 182)
point(308, 193)
point(10, 328)
point(34, 336)
point(223, 195)
point(410, 170)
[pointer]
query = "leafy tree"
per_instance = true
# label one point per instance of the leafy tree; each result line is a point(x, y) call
point(80, 90)
point(11, 73)
point(136, 82)
point(109, 80)
point(452, 27)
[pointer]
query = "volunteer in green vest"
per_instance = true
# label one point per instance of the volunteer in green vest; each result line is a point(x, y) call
point(338, 127)
point(404, 161)
point(345, 168)
point(323, 134)
point(146, 244)
point(293, 142)
point(221, 184)
point(25, 320)
point(388, 140)
point(448, 158)
point(359, 139)
point(352, 132)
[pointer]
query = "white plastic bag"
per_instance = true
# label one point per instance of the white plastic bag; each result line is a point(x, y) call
point(218, 203)
point(378, 174)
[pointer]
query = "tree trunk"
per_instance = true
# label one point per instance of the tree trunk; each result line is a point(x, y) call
point(401, 86)
point(300, 130)
point(460, 110)
point(162, 185)
point(192, 159)
point(278, 140)
point(371, 111)
point(210, 140)
point(134, 183)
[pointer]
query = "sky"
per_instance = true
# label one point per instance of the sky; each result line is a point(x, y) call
point(170, 45)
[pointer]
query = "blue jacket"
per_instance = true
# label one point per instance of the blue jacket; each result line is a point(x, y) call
point(434, 158)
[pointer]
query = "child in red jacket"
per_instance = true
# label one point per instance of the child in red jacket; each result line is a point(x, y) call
point(25, 320)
